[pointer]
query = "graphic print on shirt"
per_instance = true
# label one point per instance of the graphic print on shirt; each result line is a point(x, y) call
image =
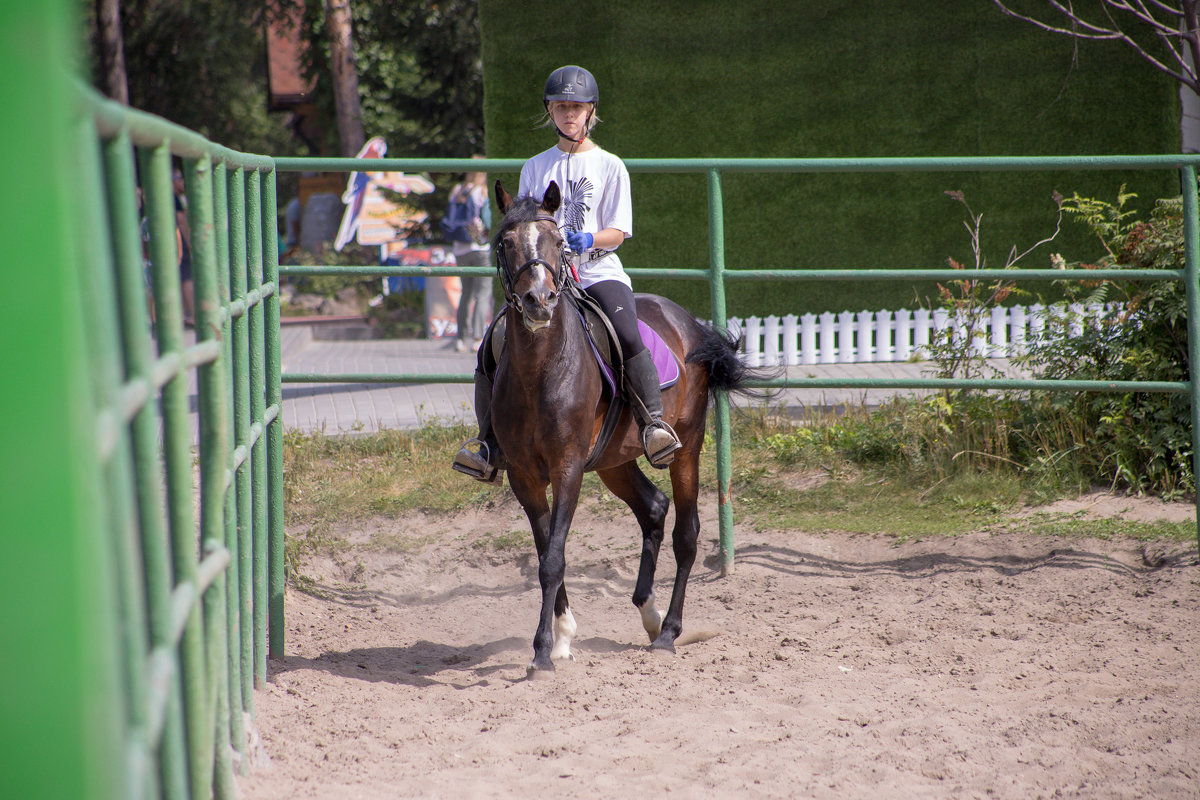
point(579, 193)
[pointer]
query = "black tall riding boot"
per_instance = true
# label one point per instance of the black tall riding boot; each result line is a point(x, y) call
point(480, 457)
point(641, 381)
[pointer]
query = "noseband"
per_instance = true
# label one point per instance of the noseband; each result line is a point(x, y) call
point(509, 282)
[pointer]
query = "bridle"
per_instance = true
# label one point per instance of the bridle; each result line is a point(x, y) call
point(509, 282)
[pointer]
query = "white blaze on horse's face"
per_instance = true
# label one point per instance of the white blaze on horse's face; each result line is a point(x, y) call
point(530, 245)
point(538, 273)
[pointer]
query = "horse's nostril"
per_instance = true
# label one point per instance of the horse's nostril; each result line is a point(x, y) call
point(533, 303)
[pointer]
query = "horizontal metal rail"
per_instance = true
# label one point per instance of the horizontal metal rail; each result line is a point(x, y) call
point(764, 165)
point(718, 274)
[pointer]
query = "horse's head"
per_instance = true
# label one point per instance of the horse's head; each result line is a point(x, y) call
point(529, 255)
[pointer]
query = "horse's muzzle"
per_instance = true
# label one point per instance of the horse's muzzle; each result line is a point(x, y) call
point(537, 307)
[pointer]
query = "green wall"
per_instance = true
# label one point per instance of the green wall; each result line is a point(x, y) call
point(775, 78)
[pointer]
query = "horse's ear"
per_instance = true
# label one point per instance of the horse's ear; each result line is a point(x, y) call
point(552, 199)
point(504, 200)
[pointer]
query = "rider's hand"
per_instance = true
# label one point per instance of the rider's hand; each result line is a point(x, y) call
point(579, 242)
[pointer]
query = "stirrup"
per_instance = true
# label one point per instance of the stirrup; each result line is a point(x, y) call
point(660, 443)
point(474, 462)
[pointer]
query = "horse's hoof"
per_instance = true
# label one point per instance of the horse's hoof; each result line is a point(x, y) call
point(663, 646)
point(536, 673)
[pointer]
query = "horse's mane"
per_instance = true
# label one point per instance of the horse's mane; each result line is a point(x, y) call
point(523, 209)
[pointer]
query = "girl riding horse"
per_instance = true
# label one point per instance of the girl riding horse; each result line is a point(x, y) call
point(595, 216)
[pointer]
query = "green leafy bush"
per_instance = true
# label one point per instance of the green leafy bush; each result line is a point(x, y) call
point(1142, 441)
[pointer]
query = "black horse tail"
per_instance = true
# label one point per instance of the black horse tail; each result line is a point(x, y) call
point(718, 351)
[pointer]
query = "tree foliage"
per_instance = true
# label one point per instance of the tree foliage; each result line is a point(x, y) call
point(420, 73)
point(202, 64)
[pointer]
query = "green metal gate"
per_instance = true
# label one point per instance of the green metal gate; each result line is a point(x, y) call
point(195, 598)
point(141, 573)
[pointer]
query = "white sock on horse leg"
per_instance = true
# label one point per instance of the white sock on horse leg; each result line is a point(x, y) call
point(564, 632)
point(651, 618)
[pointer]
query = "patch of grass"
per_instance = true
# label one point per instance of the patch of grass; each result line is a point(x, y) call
point(875, 502)
point(1075, 526)
point(403, 542)
point(316, 538)
point(328, 478)
point(518, 540)
point(917, 467)
point(310, 587)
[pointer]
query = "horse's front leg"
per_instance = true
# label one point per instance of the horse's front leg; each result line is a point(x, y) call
point(556, 624)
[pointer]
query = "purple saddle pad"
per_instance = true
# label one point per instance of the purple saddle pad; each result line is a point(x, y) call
point(660, 354)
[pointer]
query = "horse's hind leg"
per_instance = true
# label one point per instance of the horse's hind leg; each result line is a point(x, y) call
point(685, 487)
point(649, 506)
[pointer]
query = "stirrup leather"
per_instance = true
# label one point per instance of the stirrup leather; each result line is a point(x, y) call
point(473, 459)
point(660, 443)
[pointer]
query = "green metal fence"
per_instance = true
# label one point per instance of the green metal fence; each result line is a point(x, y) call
point(717, 274)
point(190, 506)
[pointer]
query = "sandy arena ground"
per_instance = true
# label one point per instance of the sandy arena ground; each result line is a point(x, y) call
point(827, 666)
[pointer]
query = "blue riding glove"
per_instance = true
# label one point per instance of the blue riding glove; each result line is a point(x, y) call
point(579, 242)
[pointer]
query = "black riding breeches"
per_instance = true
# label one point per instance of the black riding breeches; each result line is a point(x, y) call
point(617, 301)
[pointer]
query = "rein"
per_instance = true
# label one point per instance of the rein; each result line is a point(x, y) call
point(508, 282)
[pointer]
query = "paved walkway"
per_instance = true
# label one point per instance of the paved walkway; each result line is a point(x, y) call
point(369, 407)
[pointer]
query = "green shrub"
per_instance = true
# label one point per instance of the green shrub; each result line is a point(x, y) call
point(1141, 441)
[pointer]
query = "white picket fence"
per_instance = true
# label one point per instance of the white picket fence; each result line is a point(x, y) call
point(874, 336)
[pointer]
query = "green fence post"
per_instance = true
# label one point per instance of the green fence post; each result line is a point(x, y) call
point(233, 701)
point(276, 580)
point(241, 426)
point(716, 258)
point(114, 514)
point(157, 541)
point(258, 447)
point(139, 364)
point(214, 458)
point(1191, 239)
point(177, 440)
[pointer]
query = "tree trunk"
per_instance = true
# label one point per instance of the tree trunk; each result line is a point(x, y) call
point(110, 46)
point(345, 77)
point(1189, 120)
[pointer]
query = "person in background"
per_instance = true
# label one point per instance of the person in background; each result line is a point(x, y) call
point(186, 286)
point(291, 224)
point(467, 223)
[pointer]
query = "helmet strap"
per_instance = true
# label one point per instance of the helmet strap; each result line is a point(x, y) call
point(558, 130)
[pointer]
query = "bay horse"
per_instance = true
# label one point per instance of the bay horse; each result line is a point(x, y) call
point(549, 401)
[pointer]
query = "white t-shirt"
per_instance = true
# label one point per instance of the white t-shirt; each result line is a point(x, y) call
point(595, 190)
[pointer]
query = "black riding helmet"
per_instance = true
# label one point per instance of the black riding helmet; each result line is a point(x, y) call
point(573, 84)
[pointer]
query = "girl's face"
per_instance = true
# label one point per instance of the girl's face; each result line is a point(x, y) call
point(571, 118)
